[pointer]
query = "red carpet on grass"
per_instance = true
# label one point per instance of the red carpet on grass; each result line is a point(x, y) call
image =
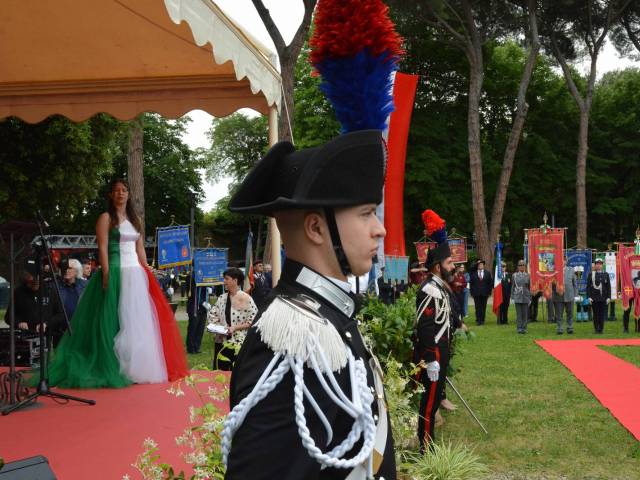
point(613, 381)
point(84, 442)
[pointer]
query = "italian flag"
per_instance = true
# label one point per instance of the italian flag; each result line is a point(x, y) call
point(497, 280)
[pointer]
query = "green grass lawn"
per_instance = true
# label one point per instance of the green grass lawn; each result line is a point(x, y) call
point(630, 353)
point(205, 357)
point(543, 423)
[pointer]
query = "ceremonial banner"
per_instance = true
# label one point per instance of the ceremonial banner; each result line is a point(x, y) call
point(625, 253)
point(610, 268)
point(248, 264)
point(396, 269)
point(458, 247)
point(497, 280)
point(546, 260)
point(580, 258)
point(404, 91)
point(634, 268)
point(422, 248)
point(174, 247)
point(208, 266)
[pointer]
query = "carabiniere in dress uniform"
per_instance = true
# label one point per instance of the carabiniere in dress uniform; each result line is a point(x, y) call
point(307, 400)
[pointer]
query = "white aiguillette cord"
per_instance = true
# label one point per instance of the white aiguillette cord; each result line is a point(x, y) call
point(358, 406)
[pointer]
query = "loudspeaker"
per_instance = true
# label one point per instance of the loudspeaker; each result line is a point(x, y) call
point(32, 468)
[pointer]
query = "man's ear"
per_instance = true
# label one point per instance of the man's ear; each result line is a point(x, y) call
point(314, 226)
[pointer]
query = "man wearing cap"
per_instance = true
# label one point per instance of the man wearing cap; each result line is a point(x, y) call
point(27, 311)
point(481, 288)
point(262, 284)
point(435, 324)
point(304, 382)
point(599, 293)
point(521, 295)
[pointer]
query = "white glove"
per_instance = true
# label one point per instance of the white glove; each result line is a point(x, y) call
point(608, 301)
point(433, 371)
point(577, 299)
point(209, 290)
point(590, 301)
point(206, 305)
point(170, 291)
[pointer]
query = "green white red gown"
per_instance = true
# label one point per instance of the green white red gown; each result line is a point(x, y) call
point(124, 334)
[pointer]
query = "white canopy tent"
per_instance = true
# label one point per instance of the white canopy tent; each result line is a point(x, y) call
point(78, 58)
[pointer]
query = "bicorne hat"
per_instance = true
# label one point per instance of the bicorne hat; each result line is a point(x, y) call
point(346, 171)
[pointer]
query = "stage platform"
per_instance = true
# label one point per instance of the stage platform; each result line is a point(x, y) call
point(84, 442)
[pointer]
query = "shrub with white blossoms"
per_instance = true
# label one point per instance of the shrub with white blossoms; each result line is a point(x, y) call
point(201, 438)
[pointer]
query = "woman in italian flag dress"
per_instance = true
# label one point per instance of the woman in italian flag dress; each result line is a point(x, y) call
point(123, 329)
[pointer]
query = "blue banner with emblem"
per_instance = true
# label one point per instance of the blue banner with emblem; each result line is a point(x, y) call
point(174, 247)
point(209, 265)
point(580, 258)
point(396, 269)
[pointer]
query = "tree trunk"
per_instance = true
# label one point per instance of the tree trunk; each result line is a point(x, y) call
point(581, 177)
point(136, 169)
point(475, 163)
point(516, 129)
point(285, 118)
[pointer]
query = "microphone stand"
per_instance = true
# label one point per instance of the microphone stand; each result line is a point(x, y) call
point(43, 390)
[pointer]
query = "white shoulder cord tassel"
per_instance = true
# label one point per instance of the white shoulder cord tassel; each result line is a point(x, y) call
point(358, 407)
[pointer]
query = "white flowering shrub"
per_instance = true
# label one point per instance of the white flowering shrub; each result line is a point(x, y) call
point(201, 439)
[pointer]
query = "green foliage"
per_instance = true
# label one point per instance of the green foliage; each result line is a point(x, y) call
point(63, 169)
point(56, 166)
point(446, 461)
point(390, 327)
point(403, 397)
point(237, 144)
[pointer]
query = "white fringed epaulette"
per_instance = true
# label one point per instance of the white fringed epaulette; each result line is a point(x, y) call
point(432, 290)
point(292, 326)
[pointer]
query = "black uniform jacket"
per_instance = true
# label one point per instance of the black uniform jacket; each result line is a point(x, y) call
point(427, 328)
point(268, 445)
point(599, 294)
point(28, 311)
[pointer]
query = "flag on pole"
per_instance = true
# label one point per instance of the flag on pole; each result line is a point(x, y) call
point(248, 264)
point(497, 280)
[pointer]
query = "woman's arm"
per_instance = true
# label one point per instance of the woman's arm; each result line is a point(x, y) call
point(251, 312)
point(102, 237)
point(142, 255)
point(214, 315)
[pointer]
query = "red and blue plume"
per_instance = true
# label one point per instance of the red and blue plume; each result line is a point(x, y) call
point(356, 49)
point(434, 226)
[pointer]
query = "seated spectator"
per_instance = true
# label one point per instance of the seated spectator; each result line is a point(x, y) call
point(87, 270)
point(72, 285)
point(27, 311)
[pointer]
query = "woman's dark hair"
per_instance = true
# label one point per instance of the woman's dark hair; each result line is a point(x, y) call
point(234, 273)
point(131, 212)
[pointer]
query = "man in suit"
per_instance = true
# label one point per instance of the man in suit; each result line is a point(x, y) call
point(481, 288)
point(563, 303)
point(262, 284)
point(599, 293)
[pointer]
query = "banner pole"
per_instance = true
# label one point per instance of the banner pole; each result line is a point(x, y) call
point(274, 236)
